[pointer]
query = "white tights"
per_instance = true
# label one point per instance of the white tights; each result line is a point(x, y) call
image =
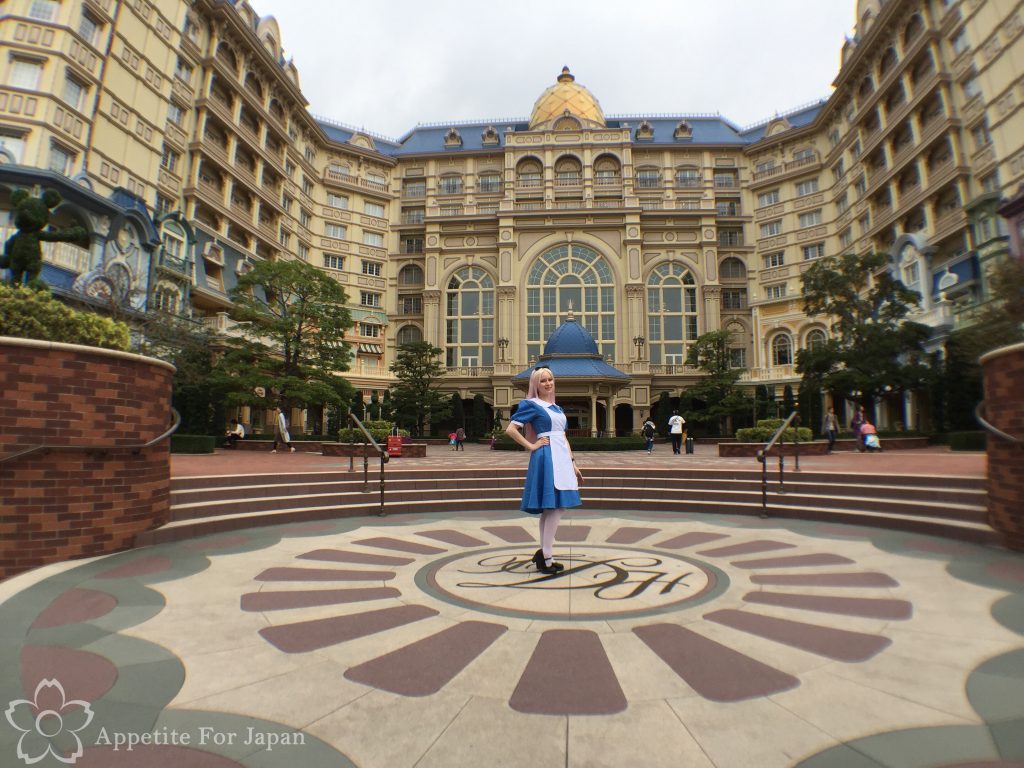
point(549, 519)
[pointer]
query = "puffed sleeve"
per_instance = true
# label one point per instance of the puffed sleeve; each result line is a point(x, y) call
point(526, 413)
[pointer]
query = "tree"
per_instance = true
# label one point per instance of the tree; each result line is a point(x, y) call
point(189, 347)
point(788, 401)
point(478, 425)
point(415, 397)
point(718, 392)
point(357, 404)
point(458, 411)
point(874, 348)
point(294, 319)
point(664, 409)
point(374, 405)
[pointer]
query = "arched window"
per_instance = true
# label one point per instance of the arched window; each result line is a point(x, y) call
point(914, 28)
point(732, 269)
point(888, 62)
point(469, 320)
point(409, 334)
point(225, 54)
point(570, 277)
point(607, 170)
point(782, 350)
point(671, 313)
point(529, 173)
point(411, 274)
point(815, 339)
point(568, 171)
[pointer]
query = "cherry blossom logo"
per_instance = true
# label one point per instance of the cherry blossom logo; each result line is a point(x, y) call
point(49, 724)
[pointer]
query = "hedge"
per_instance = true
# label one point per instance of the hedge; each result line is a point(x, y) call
point(30, 314)
point(632, 443)
point(967, 441)
point(193, 443)
point(765, 428)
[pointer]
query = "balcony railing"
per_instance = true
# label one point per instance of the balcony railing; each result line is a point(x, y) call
point(470, 370)
point(413, 218)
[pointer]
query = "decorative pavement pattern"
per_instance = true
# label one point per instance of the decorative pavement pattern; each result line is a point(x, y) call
point(422, 640)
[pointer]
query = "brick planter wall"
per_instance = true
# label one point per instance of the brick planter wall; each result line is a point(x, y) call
point(409, 450)
point(61, 504)
point(1003, 371)
point(818, 447)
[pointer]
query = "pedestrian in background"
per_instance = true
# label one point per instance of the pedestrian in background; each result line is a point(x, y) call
point(281, 431)
point(855, 424)
point(675, 431)
point(830, 428)
point(648, 432)
point(460, 439)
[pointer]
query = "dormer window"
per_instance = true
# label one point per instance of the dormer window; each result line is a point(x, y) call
point(452, 138)
point(490, 136)
point(683, 130)
point(644, 131)
point(567, 122)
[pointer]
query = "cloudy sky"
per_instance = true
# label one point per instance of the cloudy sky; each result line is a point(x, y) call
point(389, 64)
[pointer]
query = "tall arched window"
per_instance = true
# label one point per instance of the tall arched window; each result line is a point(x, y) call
point(408, 334)
point(570, 277)
point(671, 313)
point(469, 323)
point(815, 339)
point(410, 274)
point(782, 350)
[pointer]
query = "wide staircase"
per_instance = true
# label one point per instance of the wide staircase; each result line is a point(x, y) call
point(953, 507)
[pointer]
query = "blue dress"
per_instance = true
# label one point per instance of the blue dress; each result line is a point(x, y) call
point(550, 479)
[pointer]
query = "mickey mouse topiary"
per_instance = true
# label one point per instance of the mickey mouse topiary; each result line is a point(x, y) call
point(22, 254)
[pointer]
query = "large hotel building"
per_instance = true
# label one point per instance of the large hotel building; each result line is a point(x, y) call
point(178, 135)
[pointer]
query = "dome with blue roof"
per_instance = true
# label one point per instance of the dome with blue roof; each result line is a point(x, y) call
point(571, 352)
point(571, 338)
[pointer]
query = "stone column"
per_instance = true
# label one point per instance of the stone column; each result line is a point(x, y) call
point(506, 324)
point(635, 323)
point(593, 415)
point(712, 308)
point(432, 317)
point(609, 417)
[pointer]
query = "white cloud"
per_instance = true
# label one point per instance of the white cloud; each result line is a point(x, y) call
point(389, 65)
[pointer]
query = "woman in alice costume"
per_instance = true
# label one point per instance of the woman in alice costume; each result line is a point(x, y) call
point(552, 479)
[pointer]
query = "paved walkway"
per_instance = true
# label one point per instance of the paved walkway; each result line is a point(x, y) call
point(423, 640)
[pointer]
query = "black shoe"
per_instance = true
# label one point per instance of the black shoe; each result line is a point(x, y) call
point(538, 559)
point(550, 569)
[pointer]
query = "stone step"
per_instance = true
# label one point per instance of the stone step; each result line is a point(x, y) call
point(509, 496)
point(449, 475)
point(971, 530)
point(924, 490)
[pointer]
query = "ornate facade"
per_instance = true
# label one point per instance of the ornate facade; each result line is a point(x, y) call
point(480, 237)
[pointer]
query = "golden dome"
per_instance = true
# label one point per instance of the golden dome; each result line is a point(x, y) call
point(566, 95)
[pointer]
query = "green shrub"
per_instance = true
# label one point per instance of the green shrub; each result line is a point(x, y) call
point(631, 443)
point(967, 441)
point(31, 314)
point(193, 443)
point(765, 428)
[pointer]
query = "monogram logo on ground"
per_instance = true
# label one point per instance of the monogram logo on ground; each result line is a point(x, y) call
point(49, 724)
point(603, 576)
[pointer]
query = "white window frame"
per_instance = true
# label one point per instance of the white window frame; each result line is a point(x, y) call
point(813, 251)
point(26, 74)
point(372, 268)
point(810, 219)
point(807, 187)
point(335, 231)
point(771, 228)
point(375, 239)
point(373, 209)
point(771, 197)
point(775, 259)
point(337, 201)
point(369, 299)
point(334, 261)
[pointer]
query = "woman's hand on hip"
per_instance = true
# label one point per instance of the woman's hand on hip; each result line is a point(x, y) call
point(540, 444)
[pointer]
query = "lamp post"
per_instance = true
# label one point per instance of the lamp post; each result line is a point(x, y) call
point(638, 342)
point(502, 345)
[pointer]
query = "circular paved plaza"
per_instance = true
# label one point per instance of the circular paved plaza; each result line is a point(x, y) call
point(428, 640)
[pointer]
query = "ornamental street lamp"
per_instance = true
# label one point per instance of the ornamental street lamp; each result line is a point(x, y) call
point(638, 342)
point(502, 345)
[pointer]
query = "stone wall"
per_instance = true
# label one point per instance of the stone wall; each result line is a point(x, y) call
point(1004, 409)
point(58, 503)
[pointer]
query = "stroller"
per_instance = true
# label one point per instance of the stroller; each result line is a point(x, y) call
point(870, 437)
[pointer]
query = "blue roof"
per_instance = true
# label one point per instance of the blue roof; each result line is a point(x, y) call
point(571, 351)
point(797, 119)
point(707, 129)
point(570, 338)
point(576, 367)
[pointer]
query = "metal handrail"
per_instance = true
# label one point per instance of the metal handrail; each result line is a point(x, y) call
point(990, 428)
point(384, 456)
point(762, 458)
point(96, 448)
